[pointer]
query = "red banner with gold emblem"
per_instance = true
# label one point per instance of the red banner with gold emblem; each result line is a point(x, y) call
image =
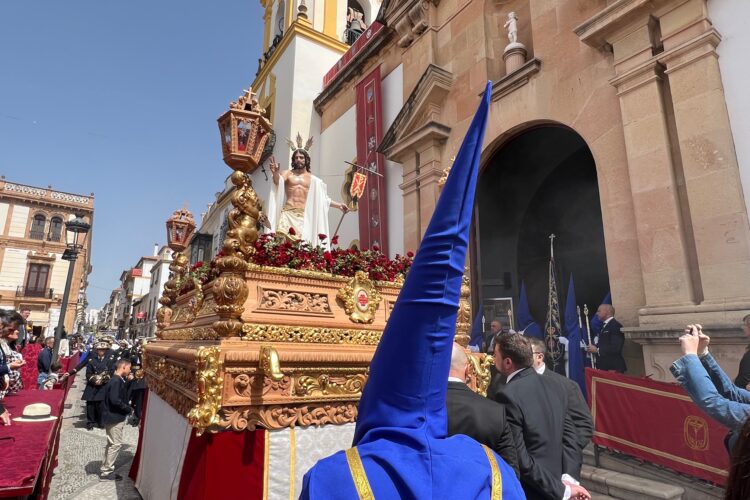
point(656, 422)
point(373, 216)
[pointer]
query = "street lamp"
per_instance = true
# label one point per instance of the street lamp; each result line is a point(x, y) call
point(74, 229)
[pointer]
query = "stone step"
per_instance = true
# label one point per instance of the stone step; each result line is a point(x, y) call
point(695, 489)
point(626, 487)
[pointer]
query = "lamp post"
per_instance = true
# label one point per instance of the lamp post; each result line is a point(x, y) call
point(75, 228)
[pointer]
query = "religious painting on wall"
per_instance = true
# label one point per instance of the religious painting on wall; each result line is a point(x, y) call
point(499, 307)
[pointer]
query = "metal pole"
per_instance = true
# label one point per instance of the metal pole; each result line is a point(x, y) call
point(64, 306)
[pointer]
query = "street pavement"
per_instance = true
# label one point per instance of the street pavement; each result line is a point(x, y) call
point(81, 453)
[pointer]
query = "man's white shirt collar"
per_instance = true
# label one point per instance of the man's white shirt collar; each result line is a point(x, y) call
point(607, 321)
point(541, 369)
point(455, 379)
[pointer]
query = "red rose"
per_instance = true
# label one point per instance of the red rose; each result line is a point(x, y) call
point(375, 248)
point(410, 254)
point(322, 237)
point(335, 240)
point(292, 231)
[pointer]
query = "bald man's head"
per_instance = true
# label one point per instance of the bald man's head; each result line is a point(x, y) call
point(459, 362)
point(605, 312)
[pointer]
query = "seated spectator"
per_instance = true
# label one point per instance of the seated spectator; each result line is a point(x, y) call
point(708, 386)
point(15, 383)
point(738, 483)
point(54, 377)
point(476, 416)
point(44, 362)
point(9, 321)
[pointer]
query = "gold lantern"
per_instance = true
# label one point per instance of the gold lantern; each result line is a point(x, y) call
point(244, 132)
point(180, 228)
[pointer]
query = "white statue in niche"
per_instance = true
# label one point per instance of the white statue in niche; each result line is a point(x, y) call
point(511, 24)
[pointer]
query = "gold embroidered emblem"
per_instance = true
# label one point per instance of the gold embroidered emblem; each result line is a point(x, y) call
point(696, 433)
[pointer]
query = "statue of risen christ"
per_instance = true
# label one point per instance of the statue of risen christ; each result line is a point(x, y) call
point(298, 206)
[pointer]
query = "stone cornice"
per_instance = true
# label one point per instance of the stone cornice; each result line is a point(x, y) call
point(515, 80)
point(652, 68)
point(596, 30)
point(424, 103)
point(430, 132)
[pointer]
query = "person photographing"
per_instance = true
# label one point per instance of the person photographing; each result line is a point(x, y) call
point(708, 385)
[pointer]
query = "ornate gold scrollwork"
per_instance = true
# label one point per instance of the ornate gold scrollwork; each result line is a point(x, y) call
point(210, 383)
point(178, 268)
point(324, 384)
point(287, 300)
point(270, 365)
point(480, 374)
point(196, 301)
point(360, 298)
point(280, 417)
point(463, 317)
point(308, 335)
point(230, 290)
point(195, 333)
point(245, 385)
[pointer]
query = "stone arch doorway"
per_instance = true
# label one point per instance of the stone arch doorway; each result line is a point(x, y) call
point(540, 181)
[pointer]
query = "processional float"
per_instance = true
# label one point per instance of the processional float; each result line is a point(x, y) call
point(263, 356)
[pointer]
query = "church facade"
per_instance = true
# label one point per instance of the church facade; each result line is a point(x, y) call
point(614, 125)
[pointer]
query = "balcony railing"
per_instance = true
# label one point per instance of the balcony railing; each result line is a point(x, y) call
point(42, 293)
point(54, 237)
point(36, 235)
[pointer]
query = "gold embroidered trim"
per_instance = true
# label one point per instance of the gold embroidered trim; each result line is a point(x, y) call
point(497, 479)
point(292, 463)
point(266, 458)
point(359, 476)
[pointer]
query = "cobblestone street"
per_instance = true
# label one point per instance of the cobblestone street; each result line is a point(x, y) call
point(80, 455)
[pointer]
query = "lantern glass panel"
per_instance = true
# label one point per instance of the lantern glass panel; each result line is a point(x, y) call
point(227, 134)
point(179, 233)
point(243, 135)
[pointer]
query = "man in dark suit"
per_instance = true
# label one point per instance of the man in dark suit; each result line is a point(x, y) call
point(23, 333)
point(544, 433)
point(475, 416)
point(98, 369)
point(577, 407)
point(115, 410)
point(607, 347)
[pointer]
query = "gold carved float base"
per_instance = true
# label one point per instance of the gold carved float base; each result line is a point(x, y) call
point(301, 358)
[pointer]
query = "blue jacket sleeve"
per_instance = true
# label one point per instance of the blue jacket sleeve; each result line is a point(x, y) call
point(4, 369)
point(722, 382)
point(691, 374)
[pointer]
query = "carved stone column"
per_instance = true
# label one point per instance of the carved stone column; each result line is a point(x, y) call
point(662, 240)
point(712, 180)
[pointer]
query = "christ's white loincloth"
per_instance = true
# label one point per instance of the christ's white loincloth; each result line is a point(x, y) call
point(314, 217)
point(291, 218)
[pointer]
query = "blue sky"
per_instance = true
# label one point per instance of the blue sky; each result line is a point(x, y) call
point(121, 99)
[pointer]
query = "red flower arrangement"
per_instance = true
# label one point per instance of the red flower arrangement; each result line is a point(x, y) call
point(273, 251)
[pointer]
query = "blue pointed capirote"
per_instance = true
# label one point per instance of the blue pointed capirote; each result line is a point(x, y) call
point(401, 430)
